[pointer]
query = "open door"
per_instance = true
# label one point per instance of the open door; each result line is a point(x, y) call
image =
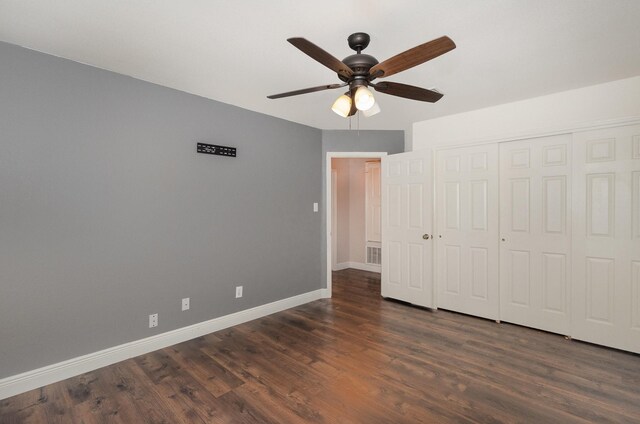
point(407, 223)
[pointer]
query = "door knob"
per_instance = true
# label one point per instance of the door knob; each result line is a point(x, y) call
point(504, 239)
point(426, 236)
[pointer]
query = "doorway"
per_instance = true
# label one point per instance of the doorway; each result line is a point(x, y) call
point(353, 213)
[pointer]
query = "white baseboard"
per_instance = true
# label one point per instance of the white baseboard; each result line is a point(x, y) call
point(30, 380)
point(357, 265)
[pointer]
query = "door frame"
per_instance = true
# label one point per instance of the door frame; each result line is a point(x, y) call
point(334, 214)
point(367, 202)
point(328, 209)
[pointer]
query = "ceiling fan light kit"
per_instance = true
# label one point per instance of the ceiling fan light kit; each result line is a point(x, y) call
point(358, 70)
point(364, 98)
point(342, 105)
point(375, 109)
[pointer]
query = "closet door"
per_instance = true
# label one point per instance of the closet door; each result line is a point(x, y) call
point(467, 244)
point(606, 245)
point(407, 221)
point(535, 232)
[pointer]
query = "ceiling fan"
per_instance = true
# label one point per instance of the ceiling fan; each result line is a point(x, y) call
point(359, 70)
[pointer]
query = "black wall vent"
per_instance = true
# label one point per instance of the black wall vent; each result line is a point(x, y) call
point(212, 149)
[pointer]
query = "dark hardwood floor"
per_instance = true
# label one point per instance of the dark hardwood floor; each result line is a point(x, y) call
point(353, 359)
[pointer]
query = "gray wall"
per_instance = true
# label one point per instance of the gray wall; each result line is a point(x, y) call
point(107, 214)
point(352, 141)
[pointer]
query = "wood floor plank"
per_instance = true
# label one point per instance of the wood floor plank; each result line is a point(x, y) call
point(20, 409)
point(216, 378)
point(136, 392)
point(355, 358)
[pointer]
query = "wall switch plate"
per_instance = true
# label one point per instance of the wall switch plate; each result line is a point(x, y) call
point(315, 207)
point(185, 304)
point(238, 292)
point(153, 320)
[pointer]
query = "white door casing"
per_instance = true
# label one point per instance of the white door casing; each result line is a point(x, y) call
point(407, 221)
point(467, 230)
point(606, 243)
point(535, 232)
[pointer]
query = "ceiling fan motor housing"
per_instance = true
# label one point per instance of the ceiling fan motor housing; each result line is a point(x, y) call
point(359, 63)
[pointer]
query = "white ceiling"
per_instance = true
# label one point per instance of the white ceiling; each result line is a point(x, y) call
point(236, 51)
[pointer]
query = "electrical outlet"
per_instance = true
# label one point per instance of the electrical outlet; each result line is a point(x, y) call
point(315, 207)
point(238, 292)
point(153, 320)
point(185, 304)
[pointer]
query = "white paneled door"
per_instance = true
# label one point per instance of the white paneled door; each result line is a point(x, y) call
point(606, 248)
point(467, 243)
point(373, 201)
point(535, 232)
point(407, 245)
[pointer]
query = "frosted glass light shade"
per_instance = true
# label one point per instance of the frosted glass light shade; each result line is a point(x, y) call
point(374, 110)
point(364, 98)
point(342, 105)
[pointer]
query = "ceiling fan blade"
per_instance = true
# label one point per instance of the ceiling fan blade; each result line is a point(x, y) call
point(408, 91)
point(306, 90)
point(412, 57)
point(321, 56)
